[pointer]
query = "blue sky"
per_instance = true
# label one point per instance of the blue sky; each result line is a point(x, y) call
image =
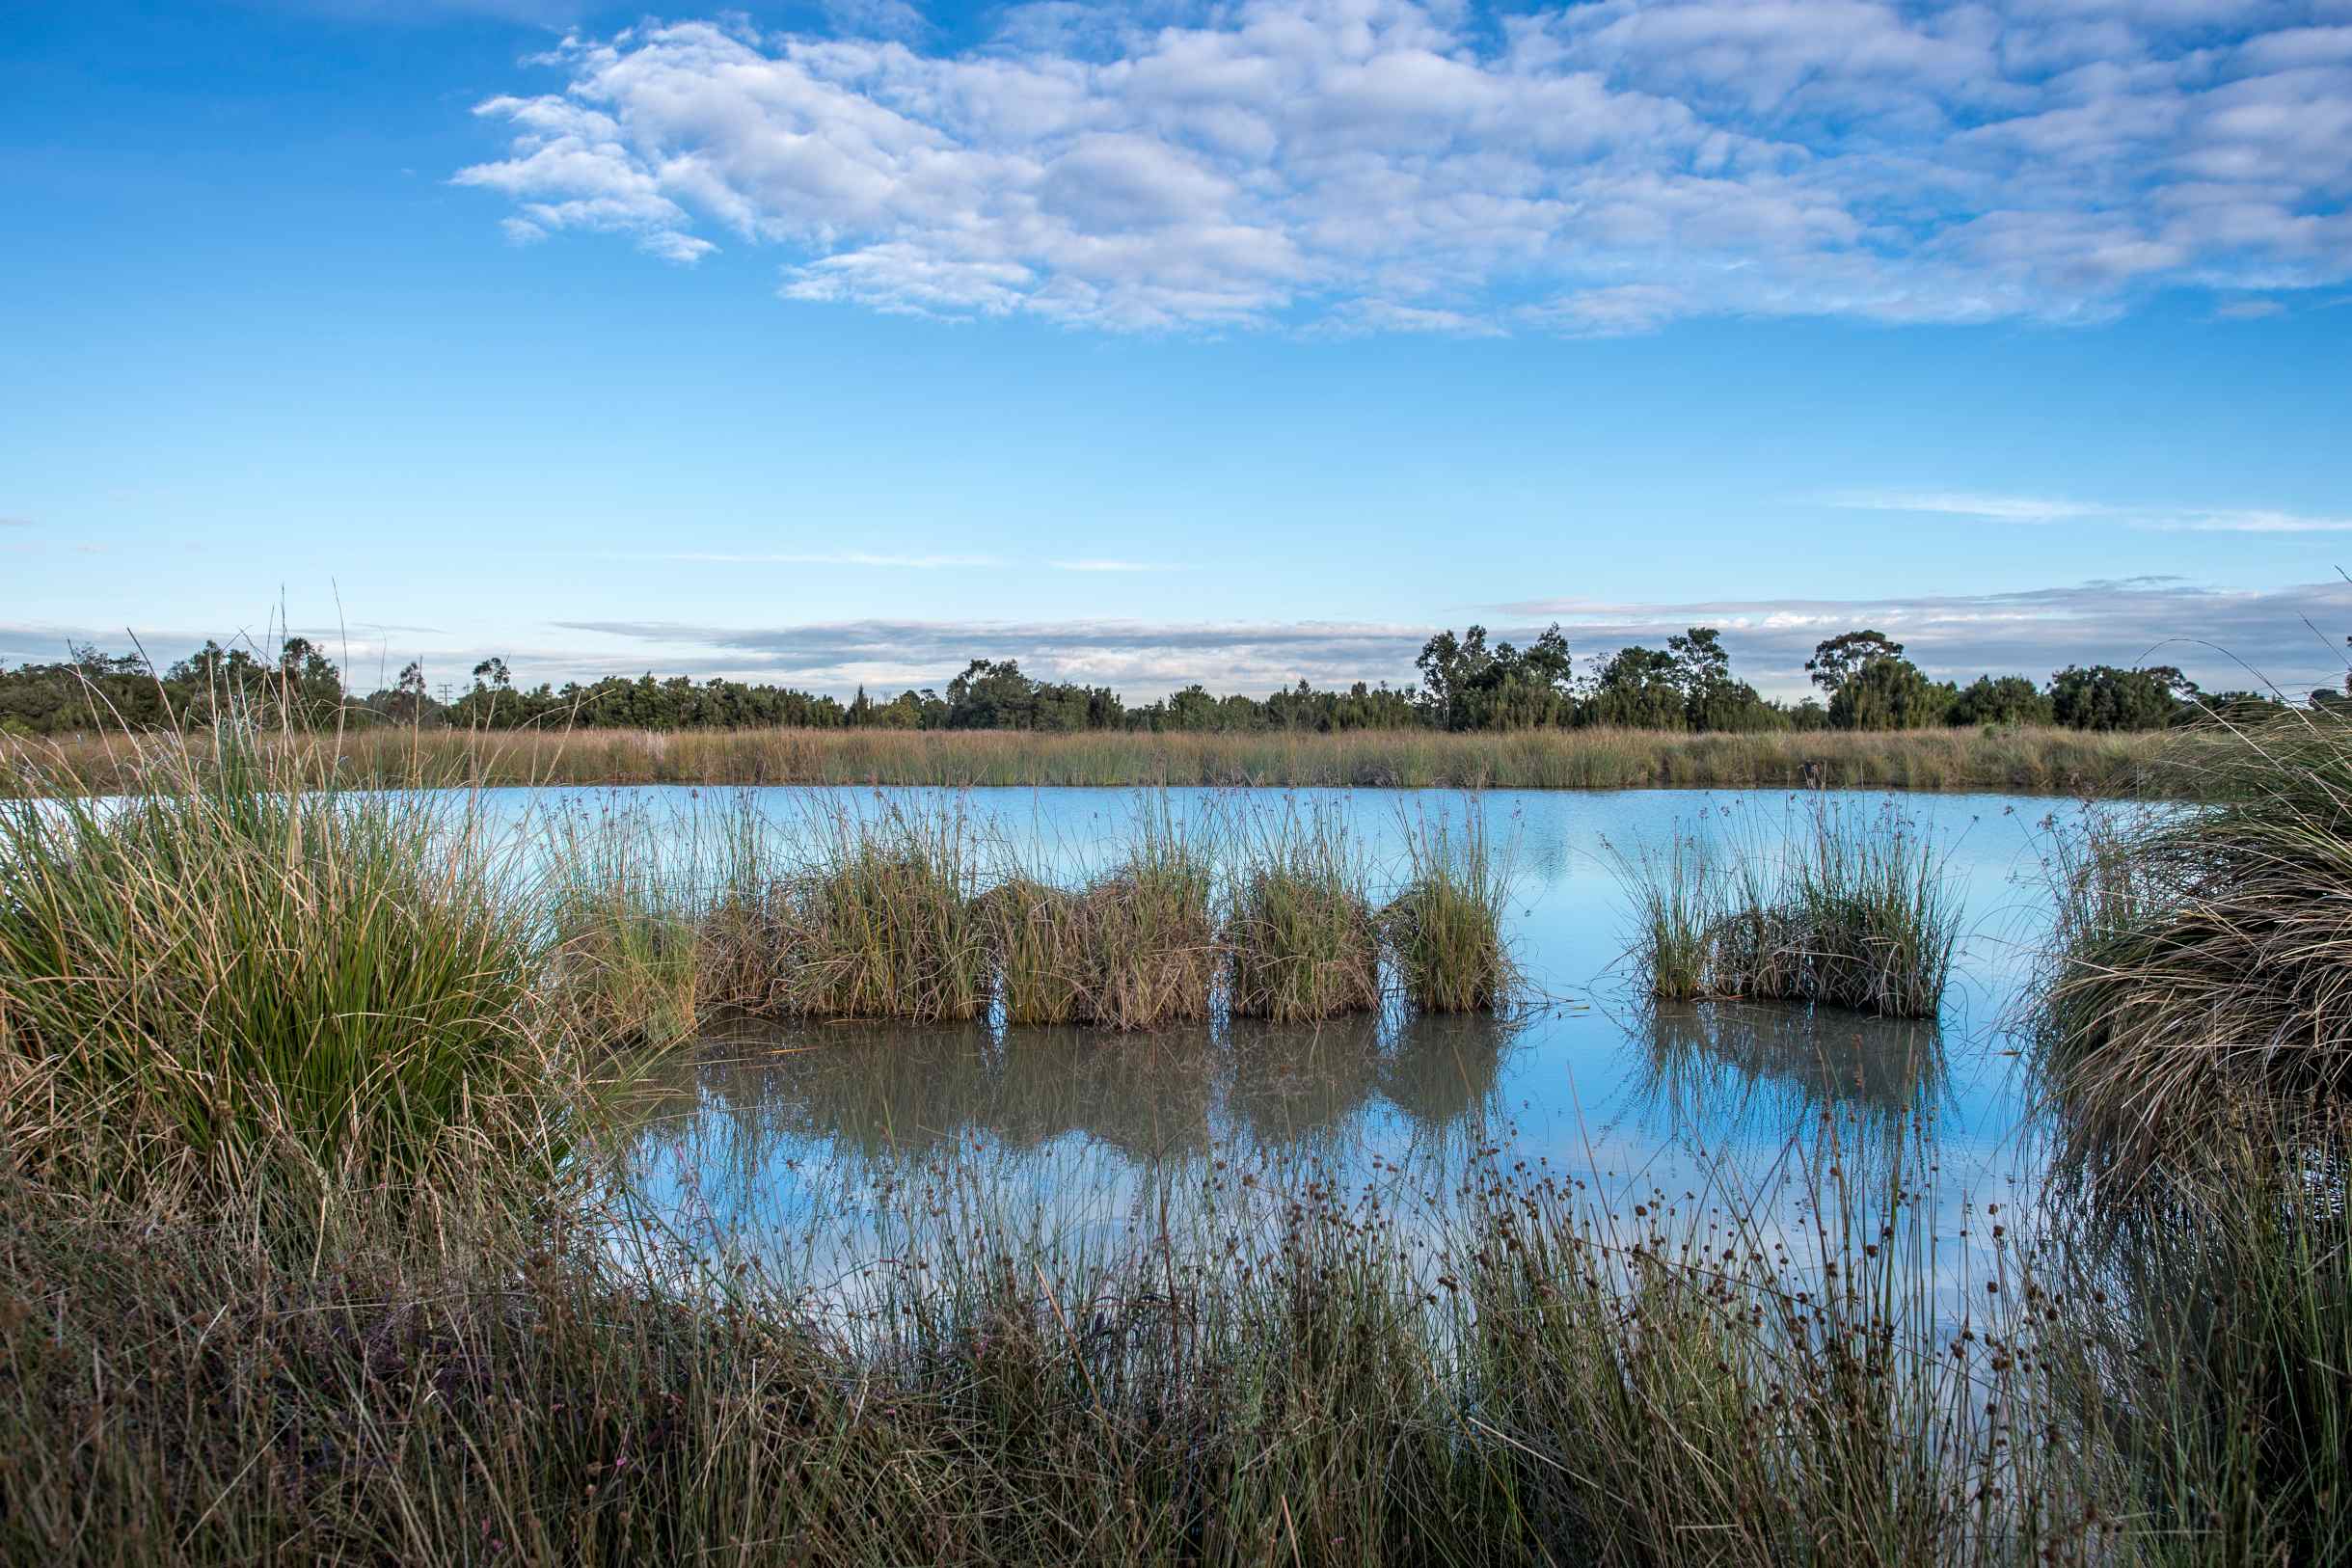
point(839, 344)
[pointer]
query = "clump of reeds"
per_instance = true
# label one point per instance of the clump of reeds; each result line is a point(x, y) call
point(1304, 939)
point(627, 950)
point(1445, 927)
point(1134, 948)
point(2210, 1337)
point(886, 924)
point(1039, 936)
point(1153, 951)
point(2202, 967)
point(1847, 909)
point(1676, 890)
point(239, 963)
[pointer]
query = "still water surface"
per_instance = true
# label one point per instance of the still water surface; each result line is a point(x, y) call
point(804, 1143)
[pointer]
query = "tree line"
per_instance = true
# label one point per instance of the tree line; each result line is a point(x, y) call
point(1467, 682)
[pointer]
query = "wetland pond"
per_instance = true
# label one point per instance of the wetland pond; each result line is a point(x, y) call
point(828, 1151)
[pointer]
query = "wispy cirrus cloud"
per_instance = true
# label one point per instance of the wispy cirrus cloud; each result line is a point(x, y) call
point(1099, 565)
point(1995, 509)
point(913, 561)
point(1388, 165)
point(891, 560)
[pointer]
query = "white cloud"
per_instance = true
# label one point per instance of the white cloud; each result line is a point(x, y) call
point(2225, 639)
point(826, 557)
point(1388, 165)
point(2046, 509)
point(1113, 566)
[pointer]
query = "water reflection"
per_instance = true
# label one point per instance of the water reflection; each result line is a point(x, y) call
point(880, 1093)
point(1728, 1066)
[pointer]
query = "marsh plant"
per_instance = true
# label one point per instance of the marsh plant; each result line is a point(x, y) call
point(241, 959)
point(1849, 907)
point(885, 923)
point(1136, 947)
point(1300, 924)
point(1444, 926)
point(2205, 956)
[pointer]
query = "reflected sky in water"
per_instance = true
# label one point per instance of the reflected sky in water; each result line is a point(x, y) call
point(805, 1141)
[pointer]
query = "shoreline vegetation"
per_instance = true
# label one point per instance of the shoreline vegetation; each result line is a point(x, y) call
point(2036, 760)
point(315, 1243)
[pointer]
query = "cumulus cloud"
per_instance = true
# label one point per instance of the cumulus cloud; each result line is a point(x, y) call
point(2226, 638)
point(1388, 165)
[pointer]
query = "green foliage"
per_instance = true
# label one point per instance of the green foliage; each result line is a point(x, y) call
point(2007, 699)
point(1467, 686)
point(1301, 930)
point(2104, 698)
point(1889, 694)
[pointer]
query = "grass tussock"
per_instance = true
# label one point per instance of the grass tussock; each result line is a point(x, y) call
point(2029, 760)
point(1136, 948)
point(907, 911)
point(887, 924)
point(241, 958)
point(1444, 927)
point(2203, 966)
point(1851, 908)
point(1300, 928)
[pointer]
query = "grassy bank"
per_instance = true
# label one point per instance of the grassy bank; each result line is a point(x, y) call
point(2035, 761)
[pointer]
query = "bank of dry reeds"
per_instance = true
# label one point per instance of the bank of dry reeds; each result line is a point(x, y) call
point(2027, 760)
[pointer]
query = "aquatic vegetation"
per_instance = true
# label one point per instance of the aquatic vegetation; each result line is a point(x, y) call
point(385, 1322)
point(244, 965)
point(1300, 926)
point(2204, 958)
point(1136, 948)
point(1445, 927)
point(1554, 1384)
point(886, 925)
point(1851, 908)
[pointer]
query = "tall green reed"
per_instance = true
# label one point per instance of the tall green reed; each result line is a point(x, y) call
point(1299, 924)
point(240, 961)
point(1444, 926)
point(1843, 906)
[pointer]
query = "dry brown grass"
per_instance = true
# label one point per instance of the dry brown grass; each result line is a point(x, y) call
point(2032, 761)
